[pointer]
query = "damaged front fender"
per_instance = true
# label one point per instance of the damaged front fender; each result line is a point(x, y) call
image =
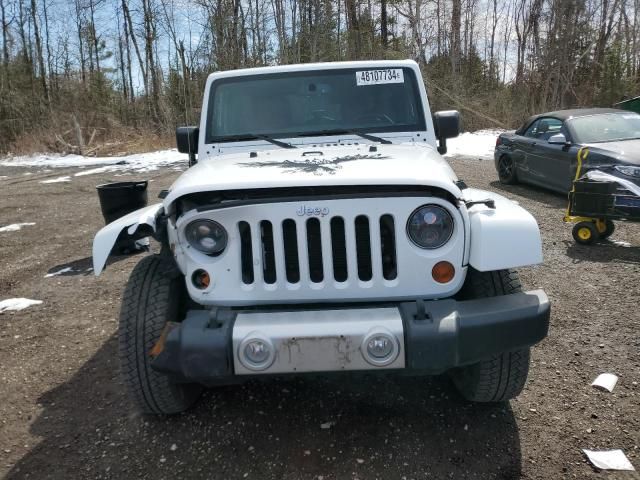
point(505, 236)
point(139, 223)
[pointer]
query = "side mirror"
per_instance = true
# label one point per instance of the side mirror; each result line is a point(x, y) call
point(558, 139)
point(187, 142)
point(447, 125)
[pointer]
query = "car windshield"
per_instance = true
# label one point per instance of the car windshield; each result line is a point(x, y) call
point(314, 103)
point(608, 127)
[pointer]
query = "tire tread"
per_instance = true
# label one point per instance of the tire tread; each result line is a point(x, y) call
point(503, 376)
point(149, 301)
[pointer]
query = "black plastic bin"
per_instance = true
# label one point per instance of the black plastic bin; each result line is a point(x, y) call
point(592, 186)
point(120, 198)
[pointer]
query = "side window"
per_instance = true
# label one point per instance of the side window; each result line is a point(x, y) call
point(544, 128)
point(532, 131)
point(549, 127)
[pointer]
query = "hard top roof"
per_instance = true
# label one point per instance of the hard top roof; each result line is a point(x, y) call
point(301, 67)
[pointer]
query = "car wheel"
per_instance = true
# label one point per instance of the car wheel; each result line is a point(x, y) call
point(507, 170)
point(500, 377)
point(585, 233)
point(153, 296)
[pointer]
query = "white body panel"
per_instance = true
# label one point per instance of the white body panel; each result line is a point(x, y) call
point(407, 164)
point(504, 237)
point(318, 341)
point(106, 238)
point(414, 264)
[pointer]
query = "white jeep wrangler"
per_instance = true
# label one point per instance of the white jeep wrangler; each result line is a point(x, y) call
point(320, 230)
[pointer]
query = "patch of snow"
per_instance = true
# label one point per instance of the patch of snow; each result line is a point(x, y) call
point(14, 304)
point(57, 180)
point(59, 272)
point(93, 171)
point(621, 243)
point(14, 227)
point(141, 162)
point(479, 144)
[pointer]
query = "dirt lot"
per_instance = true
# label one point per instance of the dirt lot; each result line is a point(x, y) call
point(64, 413)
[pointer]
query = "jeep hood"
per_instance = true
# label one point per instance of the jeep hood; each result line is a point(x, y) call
point(404, 164)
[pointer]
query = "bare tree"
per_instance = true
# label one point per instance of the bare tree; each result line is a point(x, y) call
point(455, 36)
point(5, 34)
point(43, 70)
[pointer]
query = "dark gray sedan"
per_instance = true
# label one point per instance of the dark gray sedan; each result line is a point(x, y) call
point(543, 151)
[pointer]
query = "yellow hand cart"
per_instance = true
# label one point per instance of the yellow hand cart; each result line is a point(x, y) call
point(594, 205)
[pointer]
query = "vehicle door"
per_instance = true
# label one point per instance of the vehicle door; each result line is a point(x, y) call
point(550, 163)
point(523, 143)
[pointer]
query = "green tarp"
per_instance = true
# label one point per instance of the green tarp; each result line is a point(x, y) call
point(633, 104)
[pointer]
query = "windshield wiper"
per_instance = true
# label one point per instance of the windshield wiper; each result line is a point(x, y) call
point(266, 138)
point(340, 131)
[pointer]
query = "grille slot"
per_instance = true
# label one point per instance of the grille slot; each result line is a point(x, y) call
point(290, 244)
point(268, 253)
point(363, 248)
point(314, 249)
point(246, 253)
point(388, 247)
point(339, 249)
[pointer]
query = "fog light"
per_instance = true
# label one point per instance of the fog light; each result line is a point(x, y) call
point(443, 272)
point(256, 352)
point(380, 347)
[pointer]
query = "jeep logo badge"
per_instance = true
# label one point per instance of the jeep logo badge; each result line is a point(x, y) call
point(312, 211)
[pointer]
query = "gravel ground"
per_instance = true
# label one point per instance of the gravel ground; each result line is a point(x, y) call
point(64, 414)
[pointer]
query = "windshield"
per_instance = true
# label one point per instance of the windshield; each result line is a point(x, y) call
point(314, 102)
point(608, 127)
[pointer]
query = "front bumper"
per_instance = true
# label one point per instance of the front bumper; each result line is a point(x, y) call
point(432, 337)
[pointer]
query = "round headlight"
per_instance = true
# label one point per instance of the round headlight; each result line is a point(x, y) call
point(206, 236)
point(430, 226)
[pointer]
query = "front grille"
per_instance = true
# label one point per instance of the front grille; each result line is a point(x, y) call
point(314, 250)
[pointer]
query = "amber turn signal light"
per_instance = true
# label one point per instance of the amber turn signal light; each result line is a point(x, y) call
point(201, 279)
point(443, 272)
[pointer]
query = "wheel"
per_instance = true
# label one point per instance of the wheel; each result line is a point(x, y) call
point(585, 233)
point(154, 295)
point(609, 228)
point(500, 377)
point(507, 170)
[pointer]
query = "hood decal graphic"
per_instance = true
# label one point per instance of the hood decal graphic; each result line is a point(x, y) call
point(316, 166)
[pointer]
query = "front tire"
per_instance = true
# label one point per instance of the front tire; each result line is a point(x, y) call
point(500, 377)
point(154, 295)
point(585, 233)
point(507, 170)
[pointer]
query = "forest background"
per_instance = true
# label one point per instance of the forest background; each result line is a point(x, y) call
point(113, 76)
